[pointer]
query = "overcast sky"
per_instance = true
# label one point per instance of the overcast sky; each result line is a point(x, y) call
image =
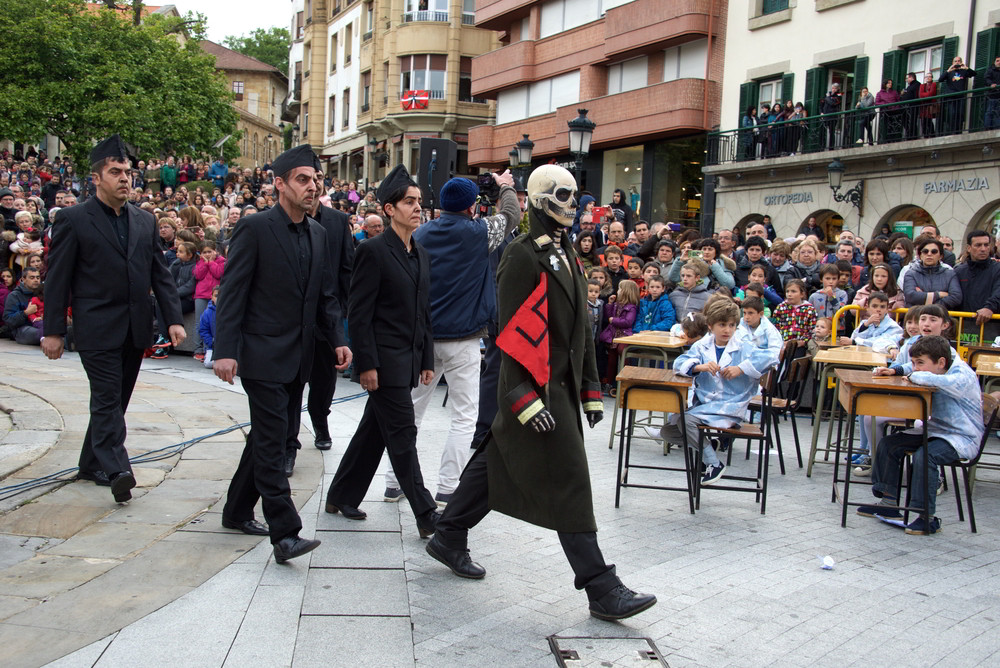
point(237, 17)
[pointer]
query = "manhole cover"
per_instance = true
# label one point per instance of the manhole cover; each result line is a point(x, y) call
point(575, 651)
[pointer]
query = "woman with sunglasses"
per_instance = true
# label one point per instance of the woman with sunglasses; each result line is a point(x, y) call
point(928, 281)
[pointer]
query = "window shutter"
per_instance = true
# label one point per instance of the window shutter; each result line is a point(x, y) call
point(987, 48)
point(788, 87)
point(860, 74)
point(949, 51)
point(745, 100)
point(893, 66)
point(815, 89)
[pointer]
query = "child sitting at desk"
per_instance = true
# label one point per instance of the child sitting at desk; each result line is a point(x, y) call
point(930, 320)
point(954, 431)
point(692, 327)
point(758, 329)
point(878, 331)
point(726, 371)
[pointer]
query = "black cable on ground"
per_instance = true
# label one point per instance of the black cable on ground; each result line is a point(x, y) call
point(165, 452)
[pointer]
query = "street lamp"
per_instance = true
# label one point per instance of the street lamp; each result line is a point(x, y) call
point(514, 159)
point(856, 195)
point(524, 148)
point(581, 129)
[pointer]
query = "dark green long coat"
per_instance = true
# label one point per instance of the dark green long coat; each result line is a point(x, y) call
point(544, 478)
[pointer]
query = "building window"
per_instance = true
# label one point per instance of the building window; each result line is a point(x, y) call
point(426, 10)
point(686, 61)
point(307, 58)
point(773, 6)
point(469, 12)
point(424, 72)
point(333, 52)
point(385, 82)
point(366, 90)
point(561, 15)
point(540, 97)
point(332, 111)
point(256, 143)
point(627, 75)
point(769, 93)
point(238, 90)
point(305, 119)
point(465, 82)
point(347, 108)
point(369, 20)
point(348, 41)
point(246, 143)
point(300, 25)
point(923, 60)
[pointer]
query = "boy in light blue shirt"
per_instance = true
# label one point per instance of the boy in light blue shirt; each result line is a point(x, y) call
point(878, 331)
point(758, 329)
point(954, 431)
point(726, 370)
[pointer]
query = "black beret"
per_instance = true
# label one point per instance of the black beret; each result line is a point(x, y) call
point(112, 147)
point(297, 156)
point(393, 181)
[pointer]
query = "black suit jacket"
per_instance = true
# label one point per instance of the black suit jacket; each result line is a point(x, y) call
point(264, 319)
point(390, 314)
point(340, 246)
point(107, 286)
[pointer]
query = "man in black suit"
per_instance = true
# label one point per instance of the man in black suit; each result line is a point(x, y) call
point(104, 259)
point(278, 290)
point(389, 317)
point(323, 380)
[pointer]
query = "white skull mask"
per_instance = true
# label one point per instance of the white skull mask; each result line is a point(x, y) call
point(552, 189)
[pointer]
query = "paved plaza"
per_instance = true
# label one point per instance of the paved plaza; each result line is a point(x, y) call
point(158, 582)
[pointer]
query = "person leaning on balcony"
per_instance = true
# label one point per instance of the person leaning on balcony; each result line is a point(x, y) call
point(929, 281)
point(928, 109)
point(955, 81)
point(910, 92)
point(866, 112)
point(890, 125)
point(992, 119)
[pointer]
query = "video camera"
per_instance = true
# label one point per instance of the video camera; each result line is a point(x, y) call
point(489, 190)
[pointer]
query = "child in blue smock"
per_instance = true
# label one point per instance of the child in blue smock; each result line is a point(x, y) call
point(878, 331)
point(726, 372)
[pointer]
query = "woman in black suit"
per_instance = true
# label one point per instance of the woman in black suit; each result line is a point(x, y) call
point(389, 315)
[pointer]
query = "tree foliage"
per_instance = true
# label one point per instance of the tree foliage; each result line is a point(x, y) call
point(81, 75)
point(268, 46)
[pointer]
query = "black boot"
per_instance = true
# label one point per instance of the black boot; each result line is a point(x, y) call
point(620, 603)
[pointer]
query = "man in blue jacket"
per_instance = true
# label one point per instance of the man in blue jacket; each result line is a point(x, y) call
point(463, 303)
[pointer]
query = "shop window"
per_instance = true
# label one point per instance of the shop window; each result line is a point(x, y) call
point(628, 75)
point(686, 61)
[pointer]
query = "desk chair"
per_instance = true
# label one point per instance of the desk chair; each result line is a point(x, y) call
point(750, 432)
point(990, 408)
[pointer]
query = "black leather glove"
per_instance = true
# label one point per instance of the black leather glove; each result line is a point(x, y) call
point(593, 417)
point(542, 421)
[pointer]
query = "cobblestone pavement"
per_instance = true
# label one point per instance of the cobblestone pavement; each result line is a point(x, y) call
point(735, 588)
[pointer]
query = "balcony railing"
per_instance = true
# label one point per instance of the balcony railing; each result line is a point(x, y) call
point(365, 107)
point(367, 36)
point(468, 19)
point(425, 15)
point(977, 110)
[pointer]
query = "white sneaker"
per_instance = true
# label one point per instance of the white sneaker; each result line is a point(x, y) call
point(653, 432)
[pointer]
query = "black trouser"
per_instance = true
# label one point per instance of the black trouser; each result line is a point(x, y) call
point(322, 385)
point(261, 471)
point(470, 504)
point(488, 381)
point(388, 424)
point(112, 375)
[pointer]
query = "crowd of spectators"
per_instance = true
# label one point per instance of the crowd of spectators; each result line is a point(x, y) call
point(197, 205)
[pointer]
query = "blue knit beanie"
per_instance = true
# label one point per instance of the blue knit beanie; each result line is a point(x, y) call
point(458, 194)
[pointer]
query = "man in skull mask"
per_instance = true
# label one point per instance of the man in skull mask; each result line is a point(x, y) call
point(533, 465)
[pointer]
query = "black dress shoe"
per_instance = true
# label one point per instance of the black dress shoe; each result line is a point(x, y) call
point(249, 527)
point(100, 478)
point(289, 464)
point(350, 512)
point(121, 484)
point(459, 561)
point(293, 546)
point(619, 603)
point(427, 523)
point(323, 443)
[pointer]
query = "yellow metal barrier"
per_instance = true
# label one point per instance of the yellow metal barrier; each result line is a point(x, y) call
point(958, 316)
